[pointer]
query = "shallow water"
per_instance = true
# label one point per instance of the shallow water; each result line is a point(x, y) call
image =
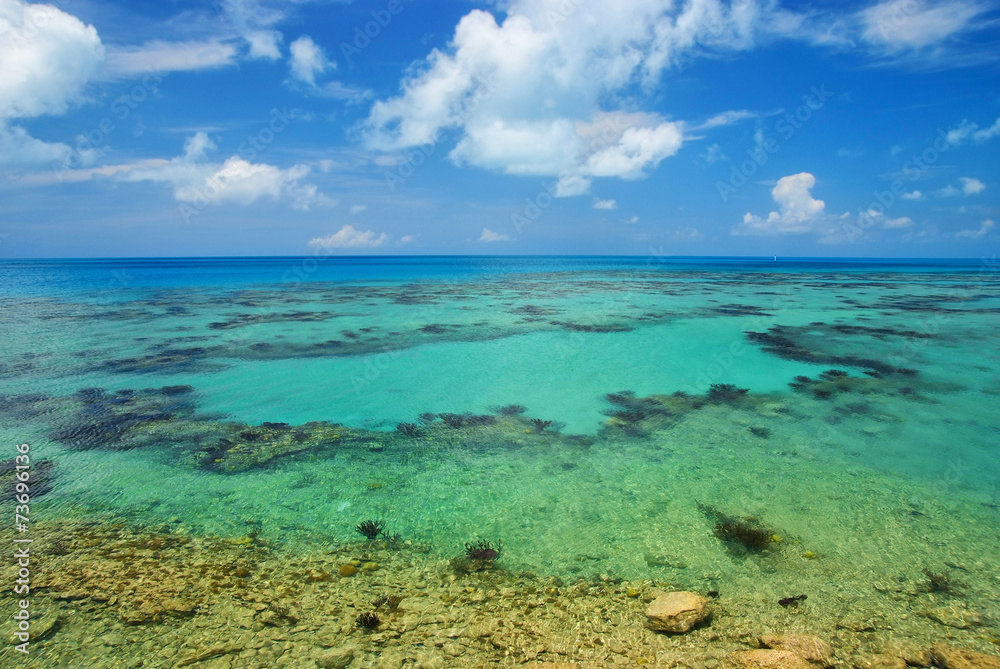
point(871, 474)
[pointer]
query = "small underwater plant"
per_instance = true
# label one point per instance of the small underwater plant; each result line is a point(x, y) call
point(938, 582)
point(725, 392)
point(483, 551)
point(540, 424)
point(762, 432)
point(746, 533)
point(368, 621)
point(391, 602)
point(512, 410)
point(370, 529)
point(831, 374)
point(427, 418)
point(409, 429)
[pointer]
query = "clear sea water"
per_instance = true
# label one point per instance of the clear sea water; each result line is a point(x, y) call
point(148, 383)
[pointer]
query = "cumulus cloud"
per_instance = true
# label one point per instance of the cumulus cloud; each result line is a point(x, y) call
point(878, 217)
point(976, 234)
point(253, 21)
point(197, 181)
point(349, 238)
point(307, 60)
point(490, 236)
point(798, 212)
point(971, 186)
point(913, 195)
point(47, 57)
point(358, 208)
point(529, 95)
point(967, 186)
point(605, 204)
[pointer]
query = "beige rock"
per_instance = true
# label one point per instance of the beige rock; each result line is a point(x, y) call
point(810, 647)
point(677, 612)
point(767, 659)
point(334, 658)
point(882, 661)
point(949, 657)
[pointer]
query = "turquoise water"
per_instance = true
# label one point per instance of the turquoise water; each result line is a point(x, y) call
point(192, 356)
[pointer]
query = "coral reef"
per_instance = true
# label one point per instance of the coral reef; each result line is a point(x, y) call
point(540, 424)
point(725, 392)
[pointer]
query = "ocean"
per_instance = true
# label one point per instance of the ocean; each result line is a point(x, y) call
point(754, 428)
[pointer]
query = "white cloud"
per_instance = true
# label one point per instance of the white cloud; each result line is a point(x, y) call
point(254, 21)
point(490, 236)
point(968, 130)
point(927, 32)
point(878, 217)
point(307, 60)
point(47, 57)
point(605, 204)
point(976, 234)
point(159, 56)
point(528, 96)
point(405, 239)
point(713, 154)
point(972, 186)
point(798, 212)
point(631, 220)
point(349, 238)
point(968, 186)
point(358, 208)
point(236, 181)
point(19, 149)
point(913, 195)
point(264, 44)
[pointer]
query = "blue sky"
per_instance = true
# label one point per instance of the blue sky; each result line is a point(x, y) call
point(697, 127)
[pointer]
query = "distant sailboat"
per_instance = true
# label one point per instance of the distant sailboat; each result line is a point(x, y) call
point(775, 258)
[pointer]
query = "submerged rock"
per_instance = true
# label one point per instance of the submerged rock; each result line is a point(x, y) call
point(809, 647)
point(767, 659)
point(677, 612)
point(949, 657)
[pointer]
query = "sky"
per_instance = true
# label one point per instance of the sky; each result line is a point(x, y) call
point(633, 127)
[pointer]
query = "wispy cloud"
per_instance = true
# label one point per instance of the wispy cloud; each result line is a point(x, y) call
point(161, 56)
point(983, 230)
